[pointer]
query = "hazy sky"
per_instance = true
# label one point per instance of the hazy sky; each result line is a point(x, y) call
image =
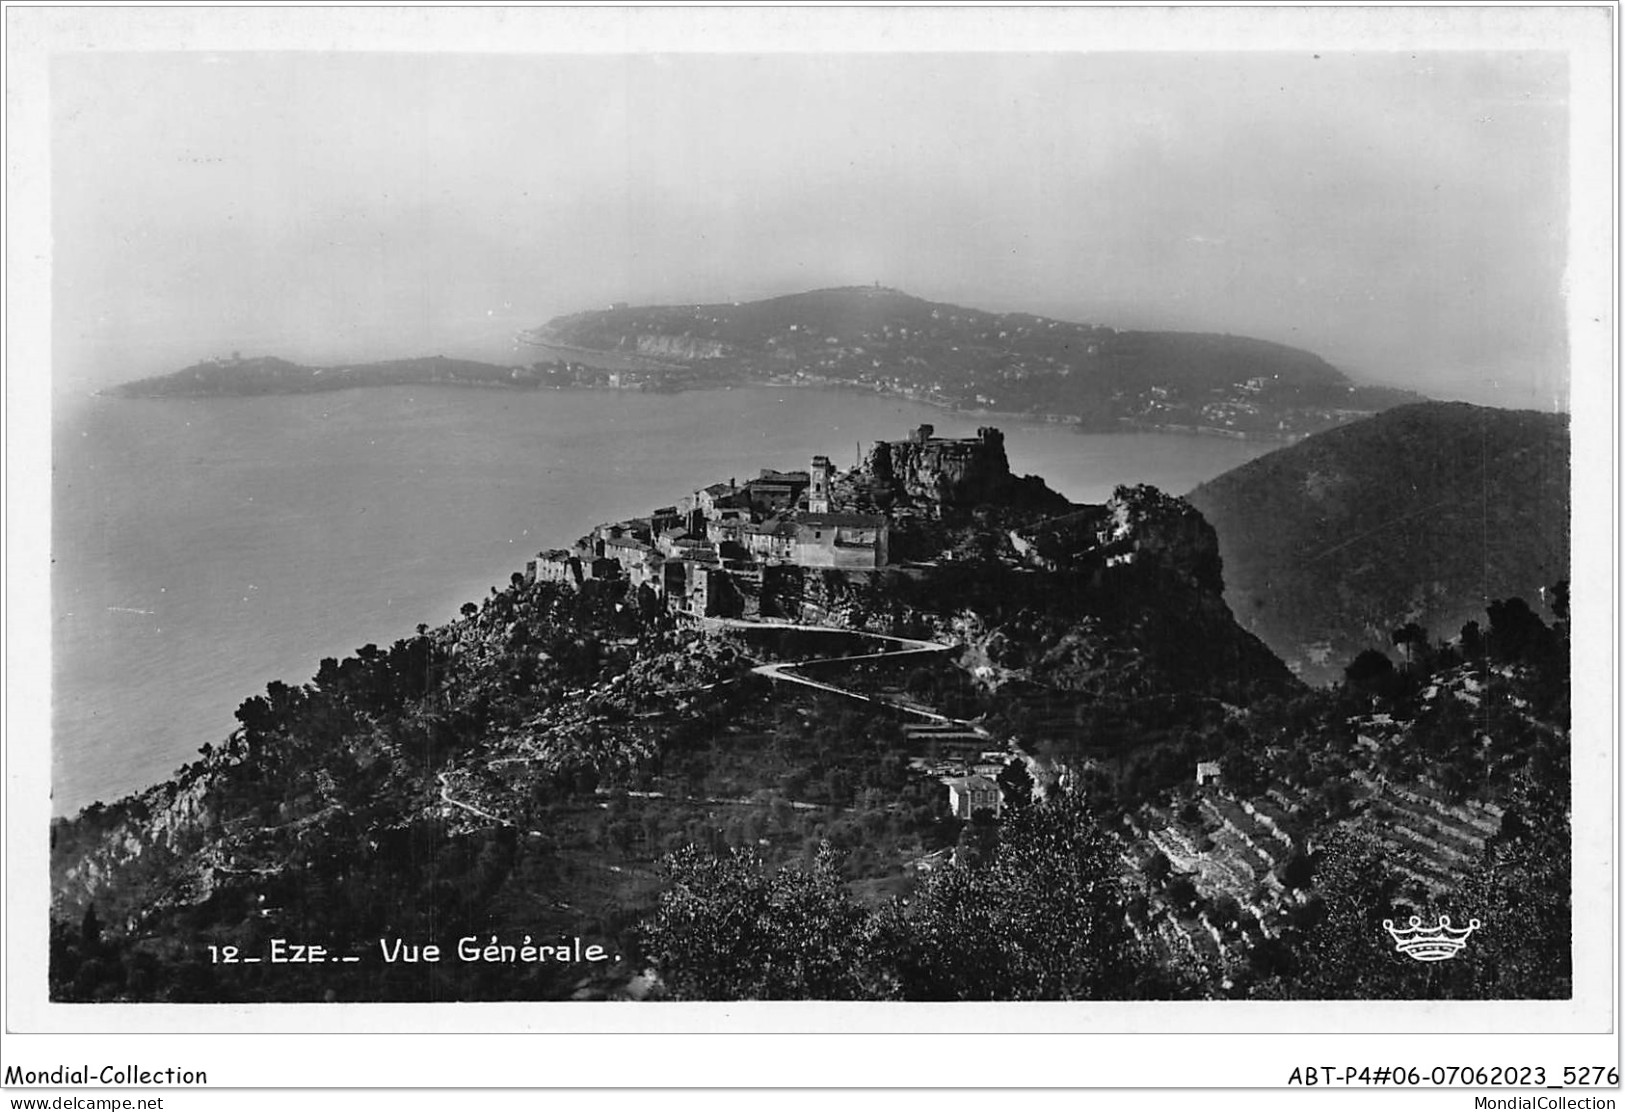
point(1404, 215)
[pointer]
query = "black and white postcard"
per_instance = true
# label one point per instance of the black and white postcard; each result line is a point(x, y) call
point(1078, 520)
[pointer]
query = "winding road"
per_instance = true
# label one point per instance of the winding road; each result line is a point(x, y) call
point(783, 673)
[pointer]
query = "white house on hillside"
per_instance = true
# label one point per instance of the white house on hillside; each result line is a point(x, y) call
point(969, 794)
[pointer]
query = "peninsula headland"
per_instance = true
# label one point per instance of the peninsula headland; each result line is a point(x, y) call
point(881, 340)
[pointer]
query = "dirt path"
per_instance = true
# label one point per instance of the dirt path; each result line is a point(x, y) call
point(445, 797)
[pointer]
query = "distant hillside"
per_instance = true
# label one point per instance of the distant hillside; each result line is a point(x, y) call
point(885, 340)
point(877, 339)
point(269, 375)
point(1423, 513)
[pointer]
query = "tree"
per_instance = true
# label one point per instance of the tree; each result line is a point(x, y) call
point(90, 927)
point(1516, 632)
point(1157, 867)
point(1181, 892)
point(1340, 948)
point(1297, 871)
point(1371, 672)
point(978, 839)
point(728, 929)
point(1472, 641)
point(1521, 894)
point(1226, 911)
point(1042, 920)
point(1017, 784)
point(1242, 772)
point(1407, 638)
point(1445, 728)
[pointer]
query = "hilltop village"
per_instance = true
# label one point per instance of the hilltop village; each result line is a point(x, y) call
point(736, 551)
point(719, 552)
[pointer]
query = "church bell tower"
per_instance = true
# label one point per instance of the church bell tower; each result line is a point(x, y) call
point(822, 474)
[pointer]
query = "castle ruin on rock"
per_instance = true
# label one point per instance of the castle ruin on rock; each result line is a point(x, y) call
point(940, 472)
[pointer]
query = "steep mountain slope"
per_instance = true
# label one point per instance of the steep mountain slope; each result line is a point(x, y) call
point(520, 774)
point(1421, 514)
point(569, 789)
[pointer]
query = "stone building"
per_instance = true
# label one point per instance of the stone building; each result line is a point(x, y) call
point(970, 794)
point(832, 540)
point(773, 492)
point(556, 565)
point(720, 496)
point(625, 549)
point(773, 539)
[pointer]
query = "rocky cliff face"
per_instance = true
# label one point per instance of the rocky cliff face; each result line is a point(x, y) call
point(158, 832)
point(1123, 597)
point(944, 472)
point(679, 347)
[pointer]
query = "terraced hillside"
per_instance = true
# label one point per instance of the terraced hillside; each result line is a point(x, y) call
point(1234, 887)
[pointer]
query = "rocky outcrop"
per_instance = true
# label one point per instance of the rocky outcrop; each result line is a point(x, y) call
point(1143, 523)
point(944, 472)
point(679, 347)
point(159, 831)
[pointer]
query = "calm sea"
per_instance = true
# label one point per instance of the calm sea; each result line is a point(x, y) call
point(205, 547)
